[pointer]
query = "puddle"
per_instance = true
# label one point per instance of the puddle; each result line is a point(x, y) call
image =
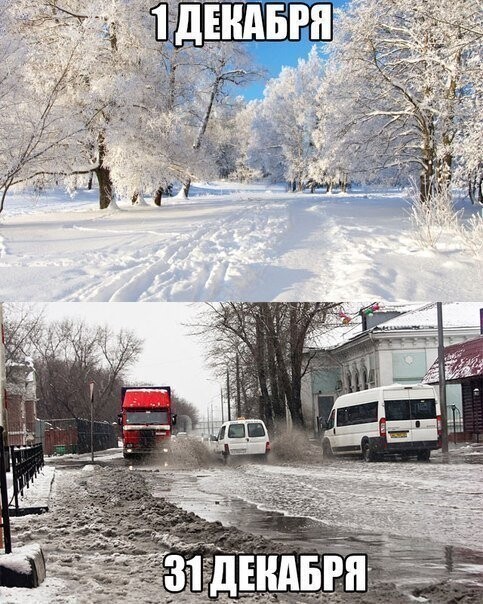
point(401, 560)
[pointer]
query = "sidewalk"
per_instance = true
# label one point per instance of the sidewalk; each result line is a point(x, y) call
point(462, 453)
point(38, 492)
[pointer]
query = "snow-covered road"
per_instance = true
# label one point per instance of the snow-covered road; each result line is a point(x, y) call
point(246, 243)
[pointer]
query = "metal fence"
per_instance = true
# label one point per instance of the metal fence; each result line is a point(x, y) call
point(26, 464)
point(5, 524)
point(60, 436)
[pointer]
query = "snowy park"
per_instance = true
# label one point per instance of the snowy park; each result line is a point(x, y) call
point(229, 241)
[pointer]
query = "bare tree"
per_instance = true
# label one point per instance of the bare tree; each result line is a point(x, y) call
point(23, 324)
point(184, 407)
point(270, 339)
point(69, 354)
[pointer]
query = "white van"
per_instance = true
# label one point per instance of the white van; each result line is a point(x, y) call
point(243, 437)
point(395, 419)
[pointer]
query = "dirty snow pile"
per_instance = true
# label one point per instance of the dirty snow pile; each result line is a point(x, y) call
point(105, 537)
point(229, 241)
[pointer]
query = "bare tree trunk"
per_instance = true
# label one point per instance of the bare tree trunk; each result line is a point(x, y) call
point(106, 188)
point(158, 196)
point(135, 198)
point(265, 402)
point(278, 399)
point(206, 117)
point(343, 184)
point(427, 174)
point(186, 188)
point(90, 181)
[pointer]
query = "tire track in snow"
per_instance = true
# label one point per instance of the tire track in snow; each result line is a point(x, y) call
point(206, 263)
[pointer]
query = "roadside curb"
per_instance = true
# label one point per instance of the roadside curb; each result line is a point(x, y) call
point(25, 568)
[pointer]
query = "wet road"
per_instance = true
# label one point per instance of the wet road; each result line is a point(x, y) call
point(415, 521)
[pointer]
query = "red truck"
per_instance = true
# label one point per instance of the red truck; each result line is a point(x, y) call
point(146, 419)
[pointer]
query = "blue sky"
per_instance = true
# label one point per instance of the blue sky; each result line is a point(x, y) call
point(272, 56)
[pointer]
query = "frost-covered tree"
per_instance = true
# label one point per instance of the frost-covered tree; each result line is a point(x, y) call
point(220, 65)
point(397, 87)
point(246, 168)
point(105, 45)
point(141, 108)
point(34, 125)
point(286, 119)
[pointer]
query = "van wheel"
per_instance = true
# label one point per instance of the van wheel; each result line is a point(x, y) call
point(327, 450)
point(424, 455)
point(367, 453)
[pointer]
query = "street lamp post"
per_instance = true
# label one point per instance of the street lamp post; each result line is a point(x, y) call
point(91, 392)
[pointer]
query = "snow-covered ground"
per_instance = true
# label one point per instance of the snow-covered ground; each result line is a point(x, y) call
point(228, 241)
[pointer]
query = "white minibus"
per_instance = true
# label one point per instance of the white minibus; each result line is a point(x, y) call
point(397, 419)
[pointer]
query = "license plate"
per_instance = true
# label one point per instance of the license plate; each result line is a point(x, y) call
point(238, 451)
point(398, 434)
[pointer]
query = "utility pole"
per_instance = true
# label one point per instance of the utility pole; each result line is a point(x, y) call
point(228, 392)
point(442, 384)
point(238, 394)
point(91, 390)
point(222, 402)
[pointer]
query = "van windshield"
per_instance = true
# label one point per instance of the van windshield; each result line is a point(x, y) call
point(236, 431)
point(414, 409)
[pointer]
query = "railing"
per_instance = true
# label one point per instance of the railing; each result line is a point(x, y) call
point(26, 464)
point(5, 525)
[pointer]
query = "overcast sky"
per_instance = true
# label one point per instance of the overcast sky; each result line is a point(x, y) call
point(171, 357)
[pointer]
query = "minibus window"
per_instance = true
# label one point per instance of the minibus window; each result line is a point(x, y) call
point(330, 422)
point(354, 415)
point(221, 435)
point(236, 431)
point(397, 410)
point(423, 409)
point(367, 413)
point(342, 419)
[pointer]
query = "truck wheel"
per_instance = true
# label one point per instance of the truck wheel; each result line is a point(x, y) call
point(327, 450)
point(367, 453)
point(424, 455)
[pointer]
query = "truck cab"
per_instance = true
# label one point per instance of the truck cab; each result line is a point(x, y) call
point(147, 420)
